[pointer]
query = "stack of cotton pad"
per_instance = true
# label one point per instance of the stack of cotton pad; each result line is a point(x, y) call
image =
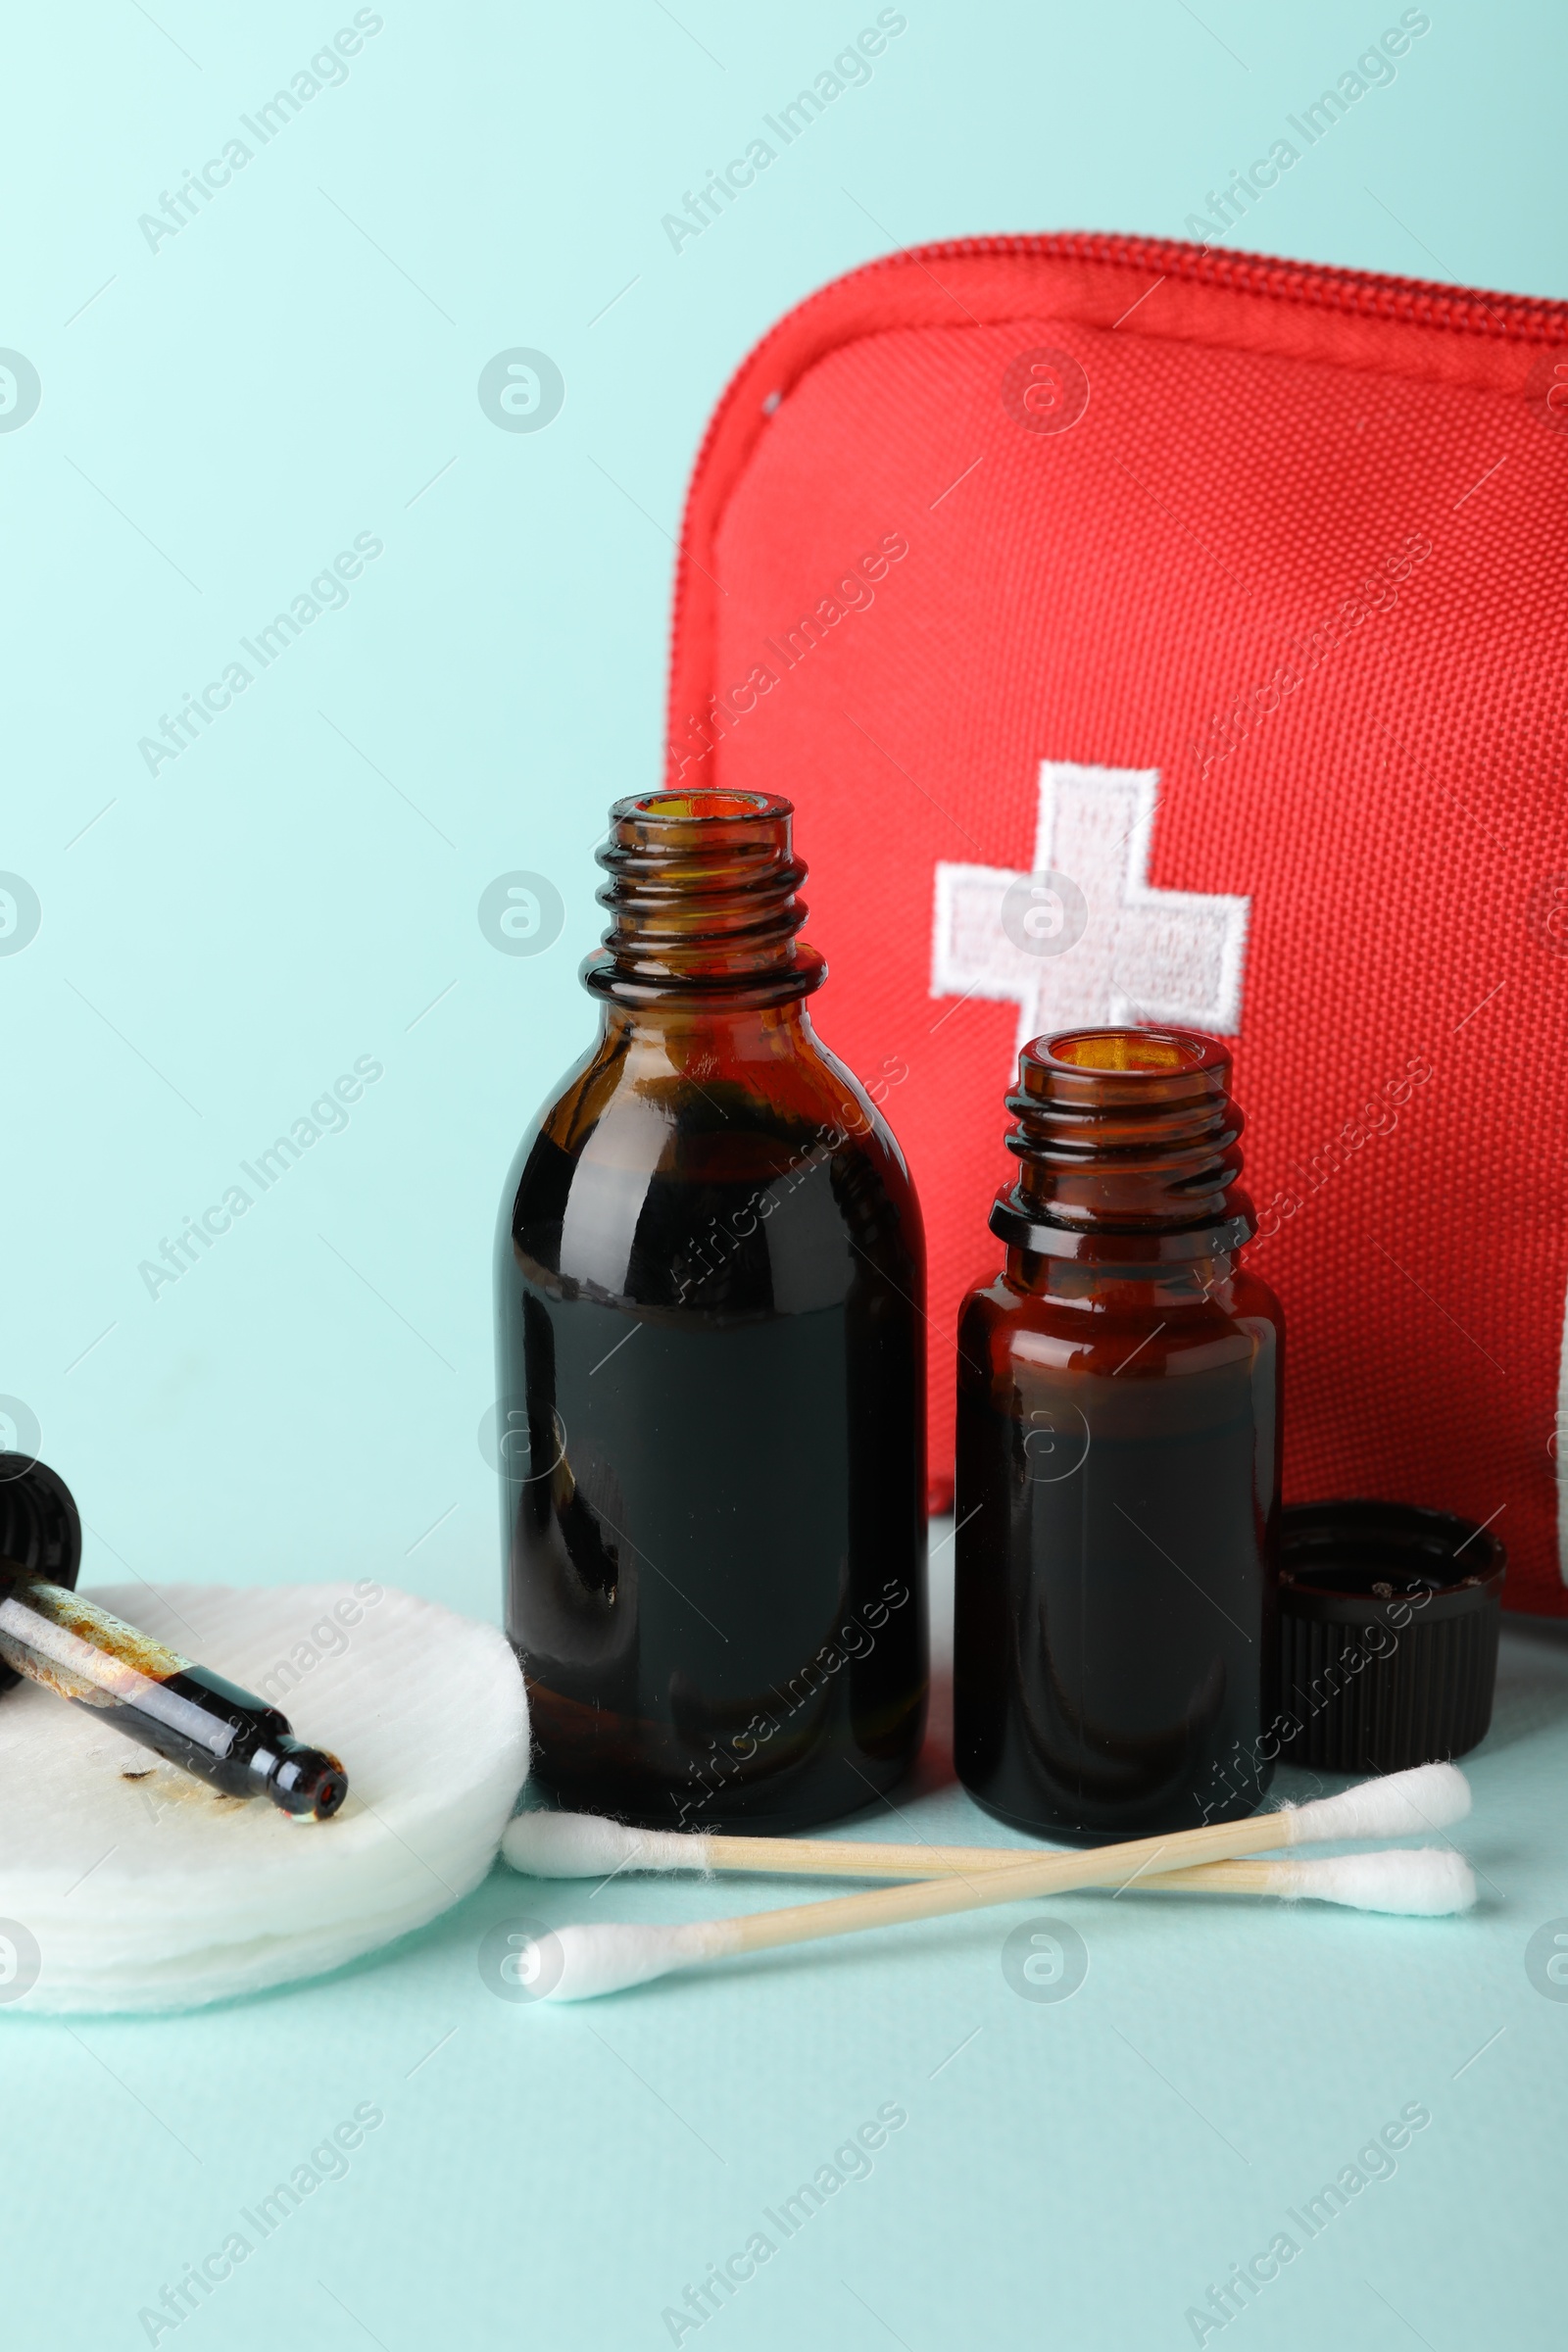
point(141, 1889)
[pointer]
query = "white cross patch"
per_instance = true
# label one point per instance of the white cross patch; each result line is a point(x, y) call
point(1085, 937)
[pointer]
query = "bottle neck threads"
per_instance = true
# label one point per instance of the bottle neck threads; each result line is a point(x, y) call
point(704, 904)
point(1127, 1142)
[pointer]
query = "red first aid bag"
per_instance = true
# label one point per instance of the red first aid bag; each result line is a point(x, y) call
point(1149, 633)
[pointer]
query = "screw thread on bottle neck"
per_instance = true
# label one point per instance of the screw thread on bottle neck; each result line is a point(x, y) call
point(702, 898)
point(1125, 1133)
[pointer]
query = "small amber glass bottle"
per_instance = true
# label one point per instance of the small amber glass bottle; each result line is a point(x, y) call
point(710, 1283)
point(1117, 1494)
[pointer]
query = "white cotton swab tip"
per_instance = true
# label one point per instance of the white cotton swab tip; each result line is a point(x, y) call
point(1401, 1805)
point(585, 1846)
point(609, 1957)
point(1422, 1882)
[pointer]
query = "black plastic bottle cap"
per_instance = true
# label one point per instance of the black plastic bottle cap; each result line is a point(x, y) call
point(1388, 1621)
point(38, 1527)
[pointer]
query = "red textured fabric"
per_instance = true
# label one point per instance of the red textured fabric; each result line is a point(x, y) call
point(1303, 554)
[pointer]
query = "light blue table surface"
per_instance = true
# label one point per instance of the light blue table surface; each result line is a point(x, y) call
point(1070, 2173)
point(222, 409)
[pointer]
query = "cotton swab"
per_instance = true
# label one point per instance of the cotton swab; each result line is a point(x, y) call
point(1425, 1882)
point(1429, 1881)
point(608, 1958)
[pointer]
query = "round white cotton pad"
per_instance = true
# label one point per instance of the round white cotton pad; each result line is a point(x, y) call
point(143, 1889)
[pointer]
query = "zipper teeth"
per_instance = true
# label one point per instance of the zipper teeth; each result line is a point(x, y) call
point(1416, 301)
point(1422, 301)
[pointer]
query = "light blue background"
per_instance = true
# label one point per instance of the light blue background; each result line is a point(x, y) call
point(219, 419)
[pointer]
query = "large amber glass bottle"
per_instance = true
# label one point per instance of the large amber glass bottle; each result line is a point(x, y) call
point(710, 1285)
point(1117, 1495)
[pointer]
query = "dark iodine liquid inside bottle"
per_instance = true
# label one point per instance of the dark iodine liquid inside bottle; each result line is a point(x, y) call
point(1118, 1621)
point(711, 1410)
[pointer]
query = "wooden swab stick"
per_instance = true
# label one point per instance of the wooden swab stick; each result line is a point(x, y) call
point(1426, 1880)
point(589, 1960)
